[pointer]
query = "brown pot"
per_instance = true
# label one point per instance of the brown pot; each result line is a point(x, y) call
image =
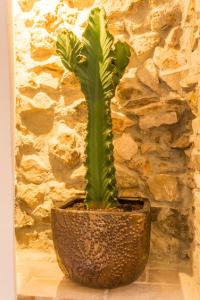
point(101, 248)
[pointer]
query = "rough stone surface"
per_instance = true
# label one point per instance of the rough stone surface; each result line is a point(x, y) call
point(26, 5)
point(152, 114)
point(165, 16)
point(145, 42)
point(148, 75)
point(164, 187)
point(22, 219)
point(155, 120)
point(42, 43)
point(173, 38)
point(121, 122)
point(79, 3)
point(63, 147)
point(33, 169)
point(125, 147)
point(31, 194)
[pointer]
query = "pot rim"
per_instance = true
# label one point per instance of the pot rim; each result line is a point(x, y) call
point(146, 207)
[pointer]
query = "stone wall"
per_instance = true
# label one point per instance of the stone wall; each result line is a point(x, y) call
point(152, 115)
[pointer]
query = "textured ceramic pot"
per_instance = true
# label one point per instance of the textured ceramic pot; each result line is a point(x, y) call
point(102, 249)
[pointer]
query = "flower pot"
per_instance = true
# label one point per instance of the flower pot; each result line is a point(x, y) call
point(102, 248)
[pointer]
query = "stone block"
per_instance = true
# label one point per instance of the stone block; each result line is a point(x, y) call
point(120, 122)
point(163, 187)
point(31, 194)
point(65, 147)
point(173, 38)
point(26, 5)
point(126, 178)
point(155, 120)
point(167, 58)
point(165, 16)
point(148, 75)
point(33, 169)
point(144, 43)
point(42, 44)
point(22, 219)
point(125, 147)
point(42, 211)
point(79, 3)
point(173, 77)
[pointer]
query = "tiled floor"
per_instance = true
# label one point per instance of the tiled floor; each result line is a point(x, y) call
point(39, 278)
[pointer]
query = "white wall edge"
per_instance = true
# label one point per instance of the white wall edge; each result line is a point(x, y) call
point(7, 94)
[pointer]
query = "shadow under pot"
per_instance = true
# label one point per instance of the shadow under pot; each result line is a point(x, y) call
point(102, 248)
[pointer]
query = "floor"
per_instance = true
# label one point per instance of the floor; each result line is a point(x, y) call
point(39, 278)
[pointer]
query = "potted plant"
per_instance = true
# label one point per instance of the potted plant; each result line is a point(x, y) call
point(100, 241)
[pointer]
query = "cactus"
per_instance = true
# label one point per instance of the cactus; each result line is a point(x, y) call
point(98, 64)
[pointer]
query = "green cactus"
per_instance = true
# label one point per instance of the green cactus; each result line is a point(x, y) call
point(98, 64)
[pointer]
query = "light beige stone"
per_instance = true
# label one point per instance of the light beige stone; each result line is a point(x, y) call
point(25, 143)
point(195, 159)
point(120, 122)
point(182, 142)
point(197, 223)
point(52, 65)
point(197, 179)
point(77, 178)
point(59, 193)
point(79, 3)
point(27, 83)
point(41, 101)
point(64, 147)
point(74, 113)
point(196, 125)
point(144, 43)
point(154, 108)
point(42, 43)
point(154, 3)
point(163, 187)
point(70, 88)
point(130, 80)
point(49, 21)
point(116, 28)
point(165, 16)
point(173, 77)
point(132, 91)
point(33, 169)
point(196, 269)
point(37, 110)
point(126, 178)
point(116, 8)
point(48, 80)
point(159, 242)
point(31, 194)
point(153, 120)
point(167, 58)
point(173, 37)
point(189, 82)
point(148, 75)
point(125, 147)
point(26, 5)
point(22, 219)
point(43, 210)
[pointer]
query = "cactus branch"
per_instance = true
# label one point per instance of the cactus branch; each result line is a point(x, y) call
point(99, 65)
